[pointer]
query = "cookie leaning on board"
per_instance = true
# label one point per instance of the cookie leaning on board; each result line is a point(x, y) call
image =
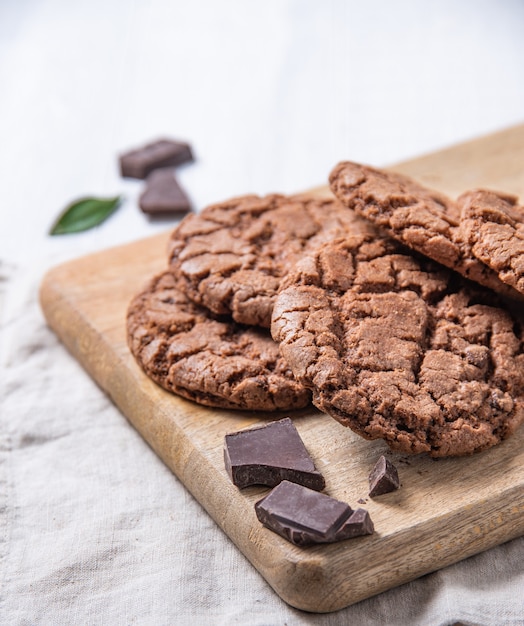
point(493, 225)
point(481, 235)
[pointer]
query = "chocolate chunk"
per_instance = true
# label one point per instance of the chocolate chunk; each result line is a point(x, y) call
point(164, 152)
point(359, 523)
point(268, 455)
point(383, 478)
point(163, 195)
point(303, 516)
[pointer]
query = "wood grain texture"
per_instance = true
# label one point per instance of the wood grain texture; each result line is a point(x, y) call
point(445, 510)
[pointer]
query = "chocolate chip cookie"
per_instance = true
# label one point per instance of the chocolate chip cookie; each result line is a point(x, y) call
point(400, 348)
point(215, 363)
point(422, 219)
point(232, 256)
point(492, 224)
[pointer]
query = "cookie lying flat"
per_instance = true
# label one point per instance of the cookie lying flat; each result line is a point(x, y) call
point(399, 348)
point(182, 348)
point(493, 225)
point(233, 255)
point(422, 219)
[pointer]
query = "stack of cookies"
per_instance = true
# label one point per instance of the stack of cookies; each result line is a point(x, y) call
point(391, 307)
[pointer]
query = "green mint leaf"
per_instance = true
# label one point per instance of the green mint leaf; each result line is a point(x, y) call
point(84, 214)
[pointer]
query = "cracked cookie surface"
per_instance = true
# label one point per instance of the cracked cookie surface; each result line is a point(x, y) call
point(422, 219)
point(215, 363)
point(233, 255)
point(399, 348)
point(493, 225)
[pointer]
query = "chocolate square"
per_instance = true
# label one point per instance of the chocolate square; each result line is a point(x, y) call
point(138, 163)
point(269, 454)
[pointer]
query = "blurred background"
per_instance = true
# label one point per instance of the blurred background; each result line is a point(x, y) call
point(270, 94)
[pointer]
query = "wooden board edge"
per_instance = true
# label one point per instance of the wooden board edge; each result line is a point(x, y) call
point(287, 569)
point(335, 593)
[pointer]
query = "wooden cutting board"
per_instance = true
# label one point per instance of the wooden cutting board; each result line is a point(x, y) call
point(445, 510)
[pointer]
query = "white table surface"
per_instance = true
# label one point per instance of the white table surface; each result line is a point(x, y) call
point(93, 528)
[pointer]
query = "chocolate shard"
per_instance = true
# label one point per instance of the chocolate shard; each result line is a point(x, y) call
point(383, 478)
point(359, 523)
point(163, 195)
point(138, 163)
point(304, 517)
point(268, 455)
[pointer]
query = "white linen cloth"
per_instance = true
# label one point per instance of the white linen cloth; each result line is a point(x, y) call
point(94, 529)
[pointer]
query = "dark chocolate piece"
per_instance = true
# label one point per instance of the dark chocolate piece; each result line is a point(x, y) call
point(383, 478)
point(163, 195)
point(359, 523)
point(304, 517)
point(269, 454)
point(140, 162)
